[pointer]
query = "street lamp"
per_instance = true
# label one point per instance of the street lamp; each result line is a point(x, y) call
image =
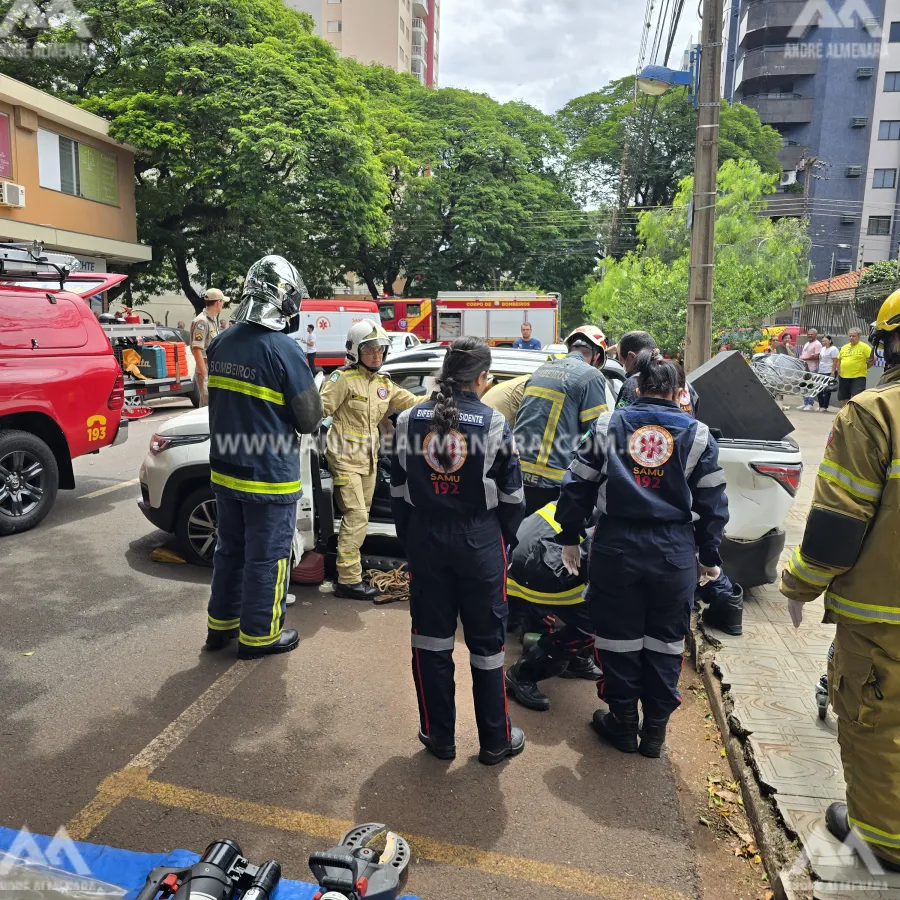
point(656, 80)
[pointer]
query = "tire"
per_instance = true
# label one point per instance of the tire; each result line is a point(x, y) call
point(25, 499)
point(194, 396)
point(196, 526)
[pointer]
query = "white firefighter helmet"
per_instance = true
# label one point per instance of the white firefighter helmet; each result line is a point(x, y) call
point(365, 332)
point(273, 292)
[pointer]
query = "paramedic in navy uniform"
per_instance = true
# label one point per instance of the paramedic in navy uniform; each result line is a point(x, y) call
point(456, 493)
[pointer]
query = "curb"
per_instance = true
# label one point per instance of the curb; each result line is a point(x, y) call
point(776, 848)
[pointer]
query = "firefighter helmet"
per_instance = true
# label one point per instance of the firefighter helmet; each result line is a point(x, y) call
point(887, 323)
point(590, 336)
point(365, 332)
point(273, 292)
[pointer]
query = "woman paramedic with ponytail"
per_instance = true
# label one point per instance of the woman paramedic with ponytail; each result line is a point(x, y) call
point(646, 470)
point(457, 498)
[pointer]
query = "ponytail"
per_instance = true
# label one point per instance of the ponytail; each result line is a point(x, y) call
point(465, 360)
point(658, 377)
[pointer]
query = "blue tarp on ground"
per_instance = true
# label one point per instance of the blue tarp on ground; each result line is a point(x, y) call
point(128, 869)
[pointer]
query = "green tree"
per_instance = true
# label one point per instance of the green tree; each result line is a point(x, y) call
point(251, 136)
point(650, 142)
point(761, 265)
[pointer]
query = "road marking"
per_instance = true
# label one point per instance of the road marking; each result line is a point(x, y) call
point(121, 785)
point(109, 490)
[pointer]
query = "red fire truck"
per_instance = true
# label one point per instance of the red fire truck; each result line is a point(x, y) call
point(495, 316)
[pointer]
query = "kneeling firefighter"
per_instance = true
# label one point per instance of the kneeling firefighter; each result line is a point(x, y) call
point(358, 398)
point(849, 552)
point(259, 387)
point(645, 471)
point(538, 577)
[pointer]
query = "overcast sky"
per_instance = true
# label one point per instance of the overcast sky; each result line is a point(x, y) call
point(544, 51)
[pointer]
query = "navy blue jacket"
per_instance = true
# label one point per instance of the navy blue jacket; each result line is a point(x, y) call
point(261, 393)
point(650, 463)
point(485, 483)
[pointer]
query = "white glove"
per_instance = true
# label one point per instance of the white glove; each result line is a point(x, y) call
point(571, 559)
point(709, 573)
point(795, 608)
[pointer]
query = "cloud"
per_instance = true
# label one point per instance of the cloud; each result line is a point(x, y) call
point(543, 51)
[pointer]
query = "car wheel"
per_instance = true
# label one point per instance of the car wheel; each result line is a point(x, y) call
point(29, 480)
point(194, 396)
point(197, 526)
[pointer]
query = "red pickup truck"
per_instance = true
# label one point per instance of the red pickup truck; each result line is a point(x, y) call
point(61, 388)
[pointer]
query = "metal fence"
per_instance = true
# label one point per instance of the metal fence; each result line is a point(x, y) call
point(836, 312)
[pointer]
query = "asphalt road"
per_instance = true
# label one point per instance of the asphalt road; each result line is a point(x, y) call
point(117, 726)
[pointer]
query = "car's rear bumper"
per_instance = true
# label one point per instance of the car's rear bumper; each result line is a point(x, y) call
point(753, 563)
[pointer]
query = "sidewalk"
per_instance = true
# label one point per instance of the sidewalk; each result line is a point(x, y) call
point(769, 675)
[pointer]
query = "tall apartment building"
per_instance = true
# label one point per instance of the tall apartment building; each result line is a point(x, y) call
point(402, 34)
point(826, 75)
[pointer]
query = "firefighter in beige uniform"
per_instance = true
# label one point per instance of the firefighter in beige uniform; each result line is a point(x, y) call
point(850, 551)
point(358, 398)
point(204, 327)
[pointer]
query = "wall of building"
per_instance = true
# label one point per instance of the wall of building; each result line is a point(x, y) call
point(310, 7)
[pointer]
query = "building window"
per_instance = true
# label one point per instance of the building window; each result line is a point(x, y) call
point(402, 26)
point(78, 169)
point(842, 267)
point(895, 33)
point(892, 81)
point(889, 130)
point(335, 26)
point(885, 178)
point(879, 225)
point(334, 1)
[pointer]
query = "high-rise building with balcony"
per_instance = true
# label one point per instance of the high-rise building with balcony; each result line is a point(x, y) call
point(402, 34)
point(826, 75)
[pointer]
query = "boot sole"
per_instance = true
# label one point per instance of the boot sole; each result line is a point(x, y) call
point(650, 753)
point(584, 677)
point(492, 757)
point(445, 753)
point(521, 699)
point(622, 748)
point(267, 651)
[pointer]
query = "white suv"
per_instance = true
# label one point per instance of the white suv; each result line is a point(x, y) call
point(763, 477)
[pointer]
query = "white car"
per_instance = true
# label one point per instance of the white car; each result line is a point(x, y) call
point(762, 477)
point(403, 340)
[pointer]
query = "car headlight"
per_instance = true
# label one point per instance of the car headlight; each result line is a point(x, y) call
point(161, 442)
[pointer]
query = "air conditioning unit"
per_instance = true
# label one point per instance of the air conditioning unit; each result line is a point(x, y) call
point(871, 23)
point(848, 220)
point(859, 122)
point(865, 72)
point(12, 194)
point(854, 171)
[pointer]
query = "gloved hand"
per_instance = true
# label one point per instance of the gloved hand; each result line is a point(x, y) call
point(795, 608)
point(709, 573)
point(571, 559)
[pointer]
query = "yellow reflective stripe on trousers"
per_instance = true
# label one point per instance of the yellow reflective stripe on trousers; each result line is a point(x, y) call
point(279, 593)
point(852, 484)
point(873, 835)
point(548, 514)
point(557, 399)
point(242, 387)
point(592, 413)
point(546, 471)
point(249, 640)
point(862, 612)
point(564, 598)
point(807, 572)
point(255, 487)
point(222, 624)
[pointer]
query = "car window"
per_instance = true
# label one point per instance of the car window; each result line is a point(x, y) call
point(386, 311)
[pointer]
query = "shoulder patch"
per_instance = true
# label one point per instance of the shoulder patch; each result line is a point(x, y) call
point(335, 377)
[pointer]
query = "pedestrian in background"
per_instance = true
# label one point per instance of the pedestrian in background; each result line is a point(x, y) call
point(646, 471)
point(783, 346)
point(827, 362)
point(810, 353)
point(457, 499)
point(853, 364)
point(310, 343)
point(181, 326)
point(527, 342)
point(204, 328)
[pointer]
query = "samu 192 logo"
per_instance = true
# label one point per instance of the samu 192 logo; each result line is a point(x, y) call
point(30, 17)
point(851, 14)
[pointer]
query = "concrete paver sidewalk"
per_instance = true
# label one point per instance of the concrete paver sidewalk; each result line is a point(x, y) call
point(769, 674)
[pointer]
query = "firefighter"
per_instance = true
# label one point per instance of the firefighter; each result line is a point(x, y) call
point(261, 394)
point(561, 400)
point(646, 471)
point(628, 349)
point(538, 578)
point(849, 552)
point(358, 398)
point(456, 494)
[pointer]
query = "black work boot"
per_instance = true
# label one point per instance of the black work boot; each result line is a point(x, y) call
point(653, 736)
point(216, 640)
point(726, 613)
point(524, 691)
point(620, 728)
point(837, 821)
point(515, 746)
point(288, 641)
point(447, 752)
point(583, 667)
point(359, 591)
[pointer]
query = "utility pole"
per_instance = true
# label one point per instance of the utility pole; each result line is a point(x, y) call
point(698, 347)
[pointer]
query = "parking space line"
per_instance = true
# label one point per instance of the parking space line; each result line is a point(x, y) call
point(110, 489)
